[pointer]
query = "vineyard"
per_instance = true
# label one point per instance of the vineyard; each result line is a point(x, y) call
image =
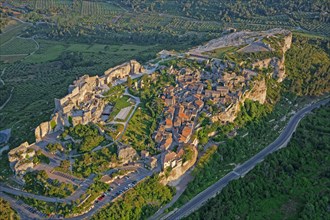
point(18, 46)
point(98, 8)
point(51, 4)
point(13, 48)
point(12, 32)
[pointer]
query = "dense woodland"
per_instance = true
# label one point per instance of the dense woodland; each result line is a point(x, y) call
point(39, 183)
point(308, 66)
point(89, 135)
point(138, 203)
point(6, 212)
point(290, 184)
point(95, 162)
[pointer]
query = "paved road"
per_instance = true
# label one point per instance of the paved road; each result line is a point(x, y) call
point(241, 170)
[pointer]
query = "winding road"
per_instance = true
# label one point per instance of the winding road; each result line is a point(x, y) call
point(244, 168)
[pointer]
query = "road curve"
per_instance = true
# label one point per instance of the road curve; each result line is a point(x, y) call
point(241, 170)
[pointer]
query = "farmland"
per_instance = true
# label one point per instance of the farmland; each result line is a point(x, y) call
point(13, 47)
point(18, 46)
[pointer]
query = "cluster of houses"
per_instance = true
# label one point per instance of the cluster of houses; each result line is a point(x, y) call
point(194, 92)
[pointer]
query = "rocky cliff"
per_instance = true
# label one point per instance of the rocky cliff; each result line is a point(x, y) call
point(257, 93)
point(179, 170)
point(277, 63)
point(259, 88)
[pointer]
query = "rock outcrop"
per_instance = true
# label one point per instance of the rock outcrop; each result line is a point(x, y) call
point(123, 70)
point(42, 130)
point(278, 64)
point(18, 158)
point(126, 154)
point(18, 152)
point(257, 93)
point(259, 89)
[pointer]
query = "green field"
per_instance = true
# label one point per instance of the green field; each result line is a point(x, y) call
point(13, 48)
point(222, 52)
point(137, 137)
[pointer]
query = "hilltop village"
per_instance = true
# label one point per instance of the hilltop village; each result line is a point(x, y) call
point(204, 85)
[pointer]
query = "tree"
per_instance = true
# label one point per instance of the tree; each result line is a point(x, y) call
point(129, 82)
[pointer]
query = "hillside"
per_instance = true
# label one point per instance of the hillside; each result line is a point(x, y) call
point(290, 184)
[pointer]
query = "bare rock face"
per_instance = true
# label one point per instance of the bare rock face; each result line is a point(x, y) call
point(228, 115)
point(21, 168)
point(123, 70)
point(257, 93)
point(42, 130)
point(13, 154)
point(127, 154)
point(287, 42)
point(278, 64)
point(262, 63)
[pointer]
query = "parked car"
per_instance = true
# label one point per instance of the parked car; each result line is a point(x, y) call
point(101, 198)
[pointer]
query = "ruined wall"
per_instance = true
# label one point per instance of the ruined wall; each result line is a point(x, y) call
point(123, 70)
point(82, 87)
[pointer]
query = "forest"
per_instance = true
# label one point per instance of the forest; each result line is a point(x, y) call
point(6, 212)
point(308, 66)
point(292, 183)
point(138, 203)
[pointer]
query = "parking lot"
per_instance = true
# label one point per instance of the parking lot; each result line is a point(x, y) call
point(123, 113)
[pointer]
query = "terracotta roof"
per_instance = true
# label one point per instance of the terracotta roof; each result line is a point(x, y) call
point(182, 138)
point(169, 157)
point(180, 152)
point(186, 131)
point(182, 115)
point(199, 103)
point(168, 142)
point(169, 122)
